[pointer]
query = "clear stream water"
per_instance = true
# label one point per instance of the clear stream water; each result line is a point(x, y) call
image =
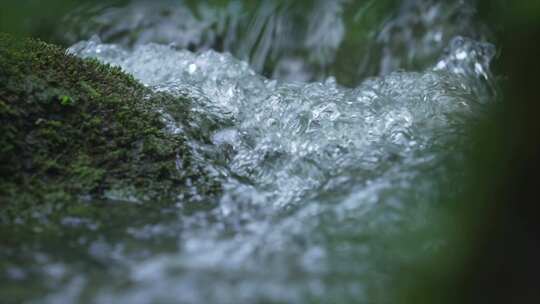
point(323, 182)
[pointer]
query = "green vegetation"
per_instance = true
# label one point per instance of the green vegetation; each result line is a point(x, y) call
point(36, 19)
point(75, 130)
point(493, 245)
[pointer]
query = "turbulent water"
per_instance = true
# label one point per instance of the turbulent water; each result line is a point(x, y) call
point(319, 178)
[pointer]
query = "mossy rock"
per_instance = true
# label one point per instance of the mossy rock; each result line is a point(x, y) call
point(74, 130)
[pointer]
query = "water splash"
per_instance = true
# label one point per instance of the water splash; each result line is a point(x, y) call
point(309, 165)
point(421, 30)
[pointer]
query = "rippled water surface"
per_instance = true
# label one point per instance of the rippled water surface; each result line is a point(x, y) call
point(325, 169)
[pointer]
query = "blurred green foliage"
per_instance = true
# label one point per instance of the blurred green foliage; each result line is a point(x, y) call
point(32, 17)
point(493, 251)
point(37, 18)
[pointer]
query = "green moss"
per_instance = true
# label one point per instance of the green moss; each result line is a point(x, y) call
point(71, 128)
point(66, 100)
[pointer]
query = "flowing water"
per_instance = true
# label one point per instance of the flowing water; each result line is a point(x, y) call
point(322, 182)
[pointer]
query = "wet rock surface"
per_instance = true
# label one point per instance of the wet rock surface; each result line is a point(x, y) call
point(76, 130)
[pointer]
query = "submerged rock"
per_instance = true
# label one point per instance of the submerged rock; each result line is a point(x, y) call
point(74, 130)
